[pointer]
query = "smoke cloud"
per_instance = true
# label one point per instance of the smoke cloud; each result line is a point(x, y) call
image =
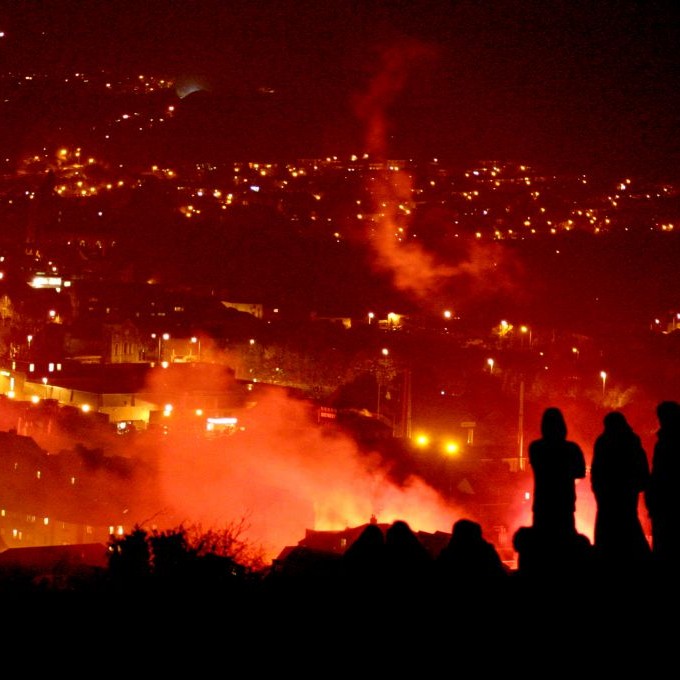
point(283, 474)
point(415, 270)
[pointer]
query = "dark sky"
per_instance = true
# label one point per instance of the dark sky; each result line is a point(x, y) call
point(587, 83)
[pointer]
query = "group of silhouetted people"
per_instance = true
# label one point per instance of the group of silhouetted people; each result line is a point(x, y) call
point(552, 550)
point(620, 476)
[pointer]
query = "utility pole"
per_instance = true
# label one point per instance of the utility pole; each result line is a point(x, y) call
point(404, 429)
point(520, 429)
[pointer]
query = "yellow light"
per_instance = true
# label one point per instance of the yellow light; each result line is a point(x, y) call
point(422, 440)
point(451, 448)
point(85, 408)
point(35, 399)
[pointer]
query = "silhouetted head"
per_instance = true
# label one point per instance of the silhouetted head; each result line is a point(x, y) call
point(370, 537)
point(615, 422)
point(668, 413)
point(403, 546)
point(368, 546)
point(399, 533)
point(466, 531)
point(553, 425)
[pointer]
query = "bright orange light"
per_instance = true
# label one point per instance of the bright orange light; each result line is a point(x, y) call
point(422, 440)
point(451, 448)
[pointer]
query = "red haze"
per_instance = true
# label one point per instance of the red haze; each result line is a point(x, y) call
point(284, 474)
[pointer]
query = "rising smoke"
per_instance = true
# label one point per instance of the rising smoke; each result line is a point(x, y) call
point(478, 268)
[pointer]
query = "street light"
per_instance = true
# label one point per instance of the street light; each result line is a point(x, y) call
point(490, 363)
point(603, 375)
point(165, 336)
point(385, 352)
point(160, 338)
point(194, 341)
point(524, 330)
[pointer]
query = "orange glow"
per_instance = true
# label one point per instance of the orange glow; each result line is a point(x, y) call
point(451, 448)
point(285, 475)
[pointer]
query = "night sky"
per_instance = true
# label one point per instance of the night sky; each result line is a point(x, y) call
point(579, 85)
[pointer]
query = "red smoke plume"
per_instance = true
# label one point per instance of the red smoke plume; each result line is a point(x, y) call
point(283, 474)
point(414, 270)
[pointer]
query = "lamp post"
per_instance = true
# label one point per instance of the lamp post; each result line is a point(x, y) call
point(194, 341)
point(166, 337)
point(490, 363)
point(160, 338)
point(603, 375)
point(385, 352)
point(525, 330)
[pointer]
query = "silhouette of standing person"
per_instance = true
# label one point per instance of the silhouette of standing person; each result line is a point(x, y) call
point(663, 492)
point(556, 463)
point(619, 473)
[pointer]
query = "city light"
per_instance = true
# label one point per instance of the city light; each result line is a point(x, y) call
point(422, 440)
point(451, 448)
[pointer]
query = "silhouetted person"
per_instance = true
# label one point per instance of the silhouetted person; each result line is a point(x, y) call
point(469, 562)
point(556, 463)
point(364, 560)
point(551, 549)
point(663, 492)
point(619, 473)
point(407, 561)
point(560, 562)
